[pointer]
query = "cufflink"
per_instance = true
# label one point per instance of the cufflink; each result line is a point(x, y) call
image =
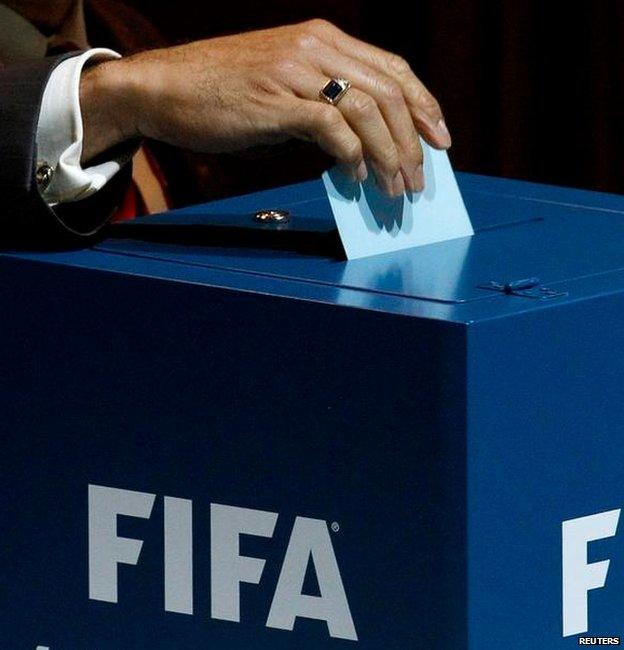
point(43, 175)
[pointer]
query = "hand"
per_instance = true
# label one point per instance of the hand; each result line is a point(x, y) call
point(261, 87)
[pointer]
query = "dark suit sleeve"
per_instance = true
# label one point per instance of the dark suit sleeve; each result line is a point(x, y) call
point(24, 214)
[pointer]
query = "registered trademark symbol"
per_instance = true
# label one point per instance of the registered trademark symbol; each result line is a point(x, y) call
point(335, 526)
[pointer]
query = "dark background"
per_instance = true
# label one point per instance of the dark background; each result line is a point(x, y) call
point(532, 90)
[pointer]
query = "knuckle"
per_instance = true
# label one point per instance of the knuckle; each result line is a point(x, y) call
point(429, 103)
point(305, 41)
point(399, 64)
point(392, 93)
point(328, 118)
point(319, 25)
point(363, 105)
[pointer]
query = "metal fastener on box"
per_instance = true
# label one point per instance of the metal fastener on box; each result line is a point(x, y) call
point(272, 216)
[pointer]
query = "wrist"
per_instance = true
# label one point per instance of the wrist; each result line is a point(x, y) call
point(108, 97)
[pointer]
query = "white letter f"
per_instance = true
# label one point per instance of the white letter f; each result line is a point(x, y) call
point(579, 577)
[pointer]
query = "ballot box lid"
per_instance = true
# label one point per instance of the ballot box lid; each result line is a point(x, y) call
point(534, 247)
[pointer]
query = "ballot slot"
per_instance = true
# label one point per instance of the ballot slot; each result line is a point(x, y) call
point(295, 229)
point(513, 240)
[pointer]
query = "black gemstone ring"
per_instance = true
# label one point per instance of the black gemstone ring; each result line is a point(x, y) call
point(334, 90)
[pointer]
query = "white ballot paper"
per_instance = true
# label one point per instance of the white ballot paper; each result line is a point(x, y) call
point(370, 223)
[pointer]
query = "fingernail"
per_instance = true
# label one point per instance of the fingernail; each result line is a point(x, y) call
point(444, 134)
point(398, 186)
point(362, 172)
point(419, 178)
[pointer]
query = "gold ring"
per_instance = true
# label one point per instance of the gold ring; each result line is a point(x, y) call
point(334, 90)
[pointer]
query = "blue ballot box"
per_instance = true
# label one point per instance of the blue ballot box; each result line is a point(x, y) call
point(216, 433)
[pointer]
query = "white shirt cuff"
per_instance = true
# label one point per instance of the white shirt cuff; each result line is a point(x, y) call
point(60, 134)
